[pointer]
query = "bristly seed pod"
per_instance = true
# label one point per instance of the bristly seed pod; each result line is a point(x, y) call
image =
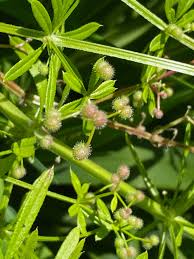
point(81, 151)
point(158, 114)
point(18, 172)
point(123, 171)
point(89, 111)
point(126, 112)
point(53, 120)
point(100, 120)
point(105, 70)
point(46, 142)
point(120, 102)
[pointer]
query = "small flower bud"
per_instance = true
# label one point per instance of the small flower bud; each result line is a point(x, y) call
point(105, 70)
point(137, 96)
point(119, 242)
point(18, 172)
point(125, 213)
point(131, 252)
point(120, 102)
point(43, 69)
point(164, 95)
point(46, 142)
point(124, 172)
point(122, 253)
point(81, 151)
point(154, 239)
point(100, 119)
point(139, 196)
point(169, 91)
point(158, 114)
point(139, 223)
point(115, 179)
point(126, 112)
point(90, 197)
point(89, 111)
point(53, 120)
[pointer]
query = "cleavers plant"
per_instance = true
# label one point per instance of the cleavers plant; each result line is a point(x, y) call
point(34, 121)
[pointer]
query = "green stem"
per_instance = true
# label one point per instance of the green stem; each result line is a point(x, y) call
point(6, 152)
point(49, 193)
point(159, 23)
point(91, 136)
point(100, 173)
point(132, 56)
point(152, 189)
point(92, 168)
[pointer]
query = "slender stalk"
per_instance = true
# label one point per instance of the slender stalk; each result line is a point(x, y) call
point(156, 21)
point(152, 189)
point(49, 193)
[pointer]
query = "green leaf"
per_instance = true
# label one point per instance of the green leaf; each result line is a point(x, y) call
point(103, 210)
point(78, 250)
point(114, 203)
point(186, 19)
point(66, 62)
point(83, 32)
point(81, 222)
point(40, 80)
point(158, 42)
point(71, 108)
point(54, 66)
point(23, 65)
point(103, 90)
point(76, 183)
point(30, 245)
point(21, 31)
point(25, 148)
point(170, 12)
point(73, 210)
point(6, 164)
point(28, 212)
point(143, 255)
point(101, 233)
point(42, 17)
point(179, 236)
point(71, 9)
point(183, 6)
point(124, 54)
point(94, 77)
point(57, 9)
point(74, 83)
point(1, 189)
point(69, 244)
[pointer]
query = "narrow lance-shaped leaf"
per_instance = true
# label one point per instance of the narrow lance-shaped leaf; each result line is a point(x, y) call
point(23, 65)
point(183, 6)
point(28, 212)
point(57, 10)
point(69, 244)
point(21, 31)
point(78, 250)
point(83, 32)
point(66, 62)
point(169, 10)
point(54, 66)
point(42, 17)
point(104, 89)
point(39, 79)
point(73, 107)
point(76, 183)
point(74, 83)
point(30, 245)
point(124, 54)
